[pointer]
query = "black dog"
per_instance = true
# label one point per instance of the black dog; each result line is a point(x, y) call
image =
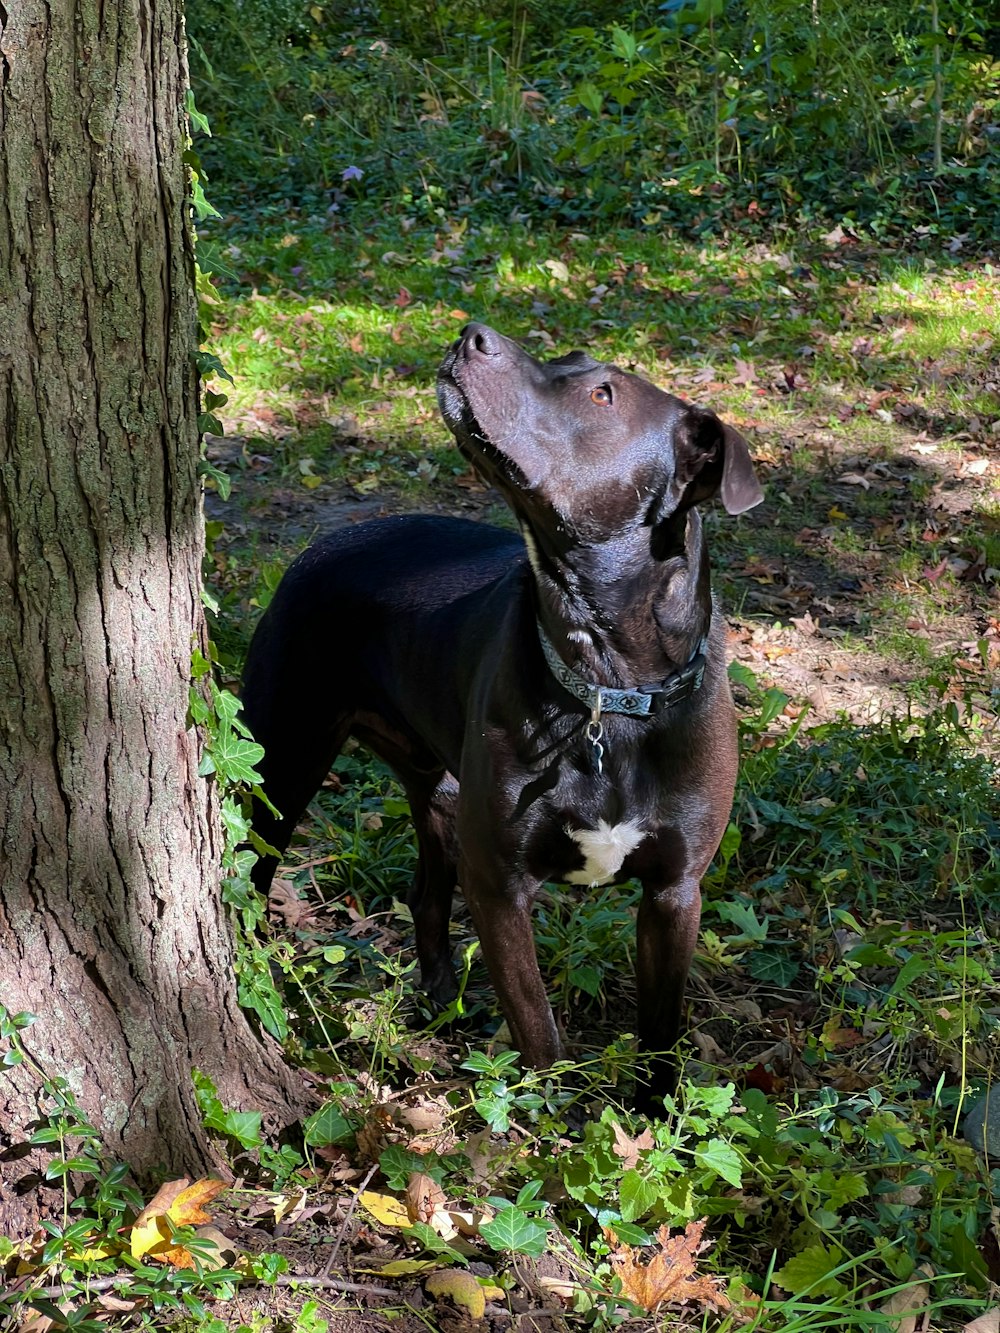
point(557, 707)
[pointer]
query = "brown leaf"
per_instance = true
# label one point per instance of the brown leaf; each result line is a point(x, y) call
point(424, 1197)
point(669, 1276)
point(283, 900)
point(745, 372)
point(908, 1305)
point(987, 1322)
point(629, 1149)
point(708, 1048)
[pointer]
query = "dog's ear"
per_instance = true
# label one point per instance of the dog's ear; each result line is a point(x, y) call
point(740, 489)
point(711, 458)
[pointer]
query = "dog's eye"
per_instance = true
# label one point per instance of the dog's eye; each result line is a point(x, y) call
point(601, 395)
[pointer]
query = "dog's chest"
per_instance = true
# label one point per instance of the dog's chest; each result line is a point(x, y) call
point(605, 850)
point(587, 829)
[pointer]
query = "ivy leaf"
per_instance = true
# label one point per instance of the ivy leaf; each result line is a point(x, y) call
point(256, 991)
point(235, 759)
point(512, 1229)
point(397, 1165)
point(775, 966)
point(244, 1127)
point(327, 1125)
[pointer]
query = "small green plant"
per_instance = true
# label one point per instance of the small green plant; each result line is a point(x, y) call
point(230, 754)
point(85, 1245)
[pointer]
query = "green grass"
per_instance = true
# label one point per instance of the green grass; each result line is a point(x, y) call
point(844, 1007)
point(852, 908)
point(848, 936)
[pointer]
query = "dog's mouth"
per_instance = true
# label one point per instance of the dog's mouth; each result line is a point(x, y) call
point(474, 441)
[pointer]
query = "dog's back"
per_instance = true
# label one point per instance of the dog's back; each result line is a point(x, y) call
point(351, 643)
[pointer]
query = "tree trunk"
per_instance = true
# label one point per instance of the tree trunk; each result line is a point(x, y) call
point(111, 927)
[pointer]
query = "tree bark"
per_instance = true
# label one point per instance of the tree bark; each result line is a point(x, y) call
point(111, 926)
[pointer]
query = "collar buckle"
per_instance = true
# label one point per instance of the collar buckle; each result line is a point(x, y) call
point(644, 701)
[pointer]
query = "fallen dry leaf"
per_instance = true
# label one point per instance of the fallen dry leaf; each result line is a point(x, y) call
point(425, 1202)
point(283, 900)
point(177, 1203)
point(424, 1198)
point(115, 1305)
point(669, 1276)
point(288, 1208)
point(217, 1250)
point(402, 1268)
point(987, 1322)
point(708, 1049)
point(628, 1149)
point(428, 1123)
point(908, 1305)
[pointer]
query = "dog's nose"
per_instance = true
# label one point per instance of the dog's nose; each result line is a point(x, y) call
point(481, 340)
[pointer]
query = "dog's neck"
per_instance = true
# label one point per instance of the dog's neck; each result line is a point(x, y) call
point(612, 617)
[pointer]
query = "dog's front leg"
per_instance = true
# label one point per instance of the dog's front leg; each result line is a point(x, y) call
point(501, 913)
point(667, 930)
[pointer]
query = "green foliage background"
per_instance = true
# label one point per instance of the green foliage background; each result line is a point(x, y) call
point(697, 113)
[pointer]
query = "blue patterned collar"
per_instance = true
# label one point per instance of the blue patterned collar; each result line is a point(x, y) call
point(647, 701)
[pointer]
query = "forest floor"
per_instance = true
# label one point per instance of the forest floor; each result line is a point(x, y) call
point(865, 588)
point(843, 1004)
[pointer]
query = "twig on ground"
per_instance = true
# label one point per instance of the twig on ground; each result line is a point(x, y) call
point(324, 1271)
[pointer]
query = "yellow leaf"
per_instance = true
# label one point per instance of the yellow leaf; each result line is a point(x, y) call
point(102, 1251)
point(178, 1203)
point(385, 1209)
point(186, 1210)
point(836, 513)
point(460, 1286)
point(150, 1235)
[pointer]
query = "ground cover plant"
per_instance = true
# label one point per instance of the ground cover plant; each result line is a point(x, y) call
point(843, 1007)
point(813, 1172)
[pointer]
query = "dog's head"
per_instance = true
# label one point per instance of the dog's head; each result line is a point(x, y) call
point(585, 443)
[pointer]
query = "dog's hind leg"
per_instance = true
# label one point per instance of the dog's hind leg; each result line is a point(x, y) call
point(432, 805)
point(299, 749)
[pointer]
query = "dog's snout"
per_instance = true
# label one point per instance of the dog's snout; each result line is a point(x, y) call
point(480, 340)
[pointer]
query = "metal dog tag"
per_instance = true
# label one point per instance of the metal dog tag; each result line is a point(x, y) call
point(595, 734)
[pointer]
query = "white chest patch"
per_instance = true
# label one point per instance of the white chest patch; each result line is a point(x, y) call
point(604, 849)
